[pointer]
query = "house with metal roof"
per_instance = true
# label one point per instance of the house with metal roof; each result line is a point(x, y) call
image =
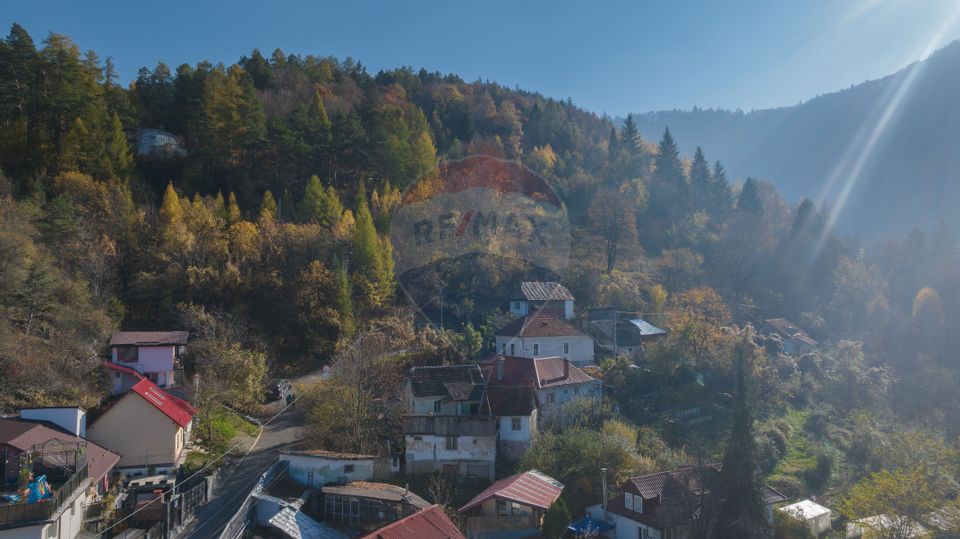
point(636, 511)
point(512, 507)
point(148, 427)
point(431, 523)
point(367, 506)
point(154, 354)
point(617, 333)
point(542, 334)
point(545, 297)
point(814, 515)
point(795, 340)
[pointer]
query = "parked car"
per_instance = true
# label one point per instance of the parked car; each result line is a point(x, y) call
point(277, 388)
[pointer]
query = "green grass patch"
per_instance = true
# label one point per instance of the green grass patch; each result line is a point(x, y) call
point(221, 427)
point(198, 459)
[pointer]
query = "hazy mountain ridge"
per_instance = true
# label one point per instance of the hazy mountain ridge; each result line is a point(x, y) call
point(906, 181)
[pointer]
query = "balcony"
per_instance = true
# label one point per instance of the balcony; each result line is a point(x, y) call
point(24, 512)
point(449, 425)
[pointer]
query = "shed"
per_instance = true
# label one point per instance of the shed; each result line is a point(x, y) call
point(816, 516)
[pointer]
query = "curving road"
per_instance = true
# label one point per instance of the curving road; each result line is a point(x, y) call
point(211, 519)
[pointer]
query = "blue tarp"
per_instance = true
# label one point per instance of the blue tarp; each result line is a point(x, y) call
point(587, 524)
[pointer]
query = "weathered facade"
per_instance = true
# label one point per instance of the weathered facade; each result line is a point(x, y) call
point(461, 445)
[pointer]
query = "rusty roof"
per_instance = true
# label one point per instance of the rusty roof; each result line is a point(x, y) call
point(539, 324)
point(148, 338)
point(377, 491)
point(431, 523)
point(532, 488)
point(544, 291)
point(323, 453)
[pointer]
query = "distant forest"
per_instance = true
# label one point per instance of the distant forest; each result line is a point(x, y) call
point(267, 236)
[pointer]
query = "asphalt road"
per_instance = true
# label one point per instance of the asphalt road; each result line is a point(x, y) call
point(211, 519)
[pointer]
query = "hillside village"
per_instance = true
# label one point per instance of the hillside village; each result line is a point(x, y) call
point(465, 428)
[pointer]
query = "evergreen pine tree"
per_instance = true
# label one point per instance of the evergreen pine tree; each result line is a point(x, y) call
point(220, 208)
point(630, 136)
point(700, 181)
point(742, 512)
point(749, 200)
point(721, 199)
point(344, 300)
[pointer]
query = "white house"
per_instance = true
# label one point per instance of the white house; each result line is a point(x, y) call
point(315, 467)
point(816, 516)
point(446, 428)
point(555, 380)
point(544, 335)
point(155, 354)
point(516, 411)
point(546, 297)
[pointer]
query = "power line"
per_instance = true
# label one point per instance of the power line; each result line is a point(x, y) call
point(205, 466)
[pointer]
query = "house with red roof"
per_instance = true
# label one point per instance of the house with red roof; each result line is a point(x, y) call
point(430, 523)
point(153, 354)
point(511, 507)
point(148, 427)
point(542, 334)
point(555, 380)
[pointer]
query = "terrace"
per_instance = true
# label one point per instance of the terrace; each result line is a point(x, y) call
point(63, 464)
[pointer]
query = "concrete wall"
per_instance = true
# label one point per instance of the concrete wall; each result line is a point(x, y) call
point(138, 432)
point(626, 528)
point(427, 453)
point(580, 347)
point(326, 470)
point(72, 419)
point(564, 394)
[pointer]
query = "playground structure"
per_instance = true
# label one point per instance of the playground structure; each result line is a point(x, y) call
point(49, 472)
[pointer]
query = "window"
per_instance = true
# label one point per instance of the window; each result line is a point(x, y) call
point(127, 354)
point(116, 375)
point(475, 408)
point(437, 406)
point(536, 348)
point(566, 348)
point(638, 504)
point(348, 468)
point(515, 423)
point(451, 443)
point(512, 350)
point(628, 500)
point(516, 305)
point(503, 348)
point(502, 508)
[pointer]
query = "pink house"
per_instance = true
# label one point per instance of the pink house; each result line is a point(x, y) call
point(154, 354)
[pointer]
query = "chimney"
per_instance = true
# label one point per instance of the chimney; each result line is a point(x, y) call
point(603, 476)
point(70, 418)
point(500, 362)
point(566, 368)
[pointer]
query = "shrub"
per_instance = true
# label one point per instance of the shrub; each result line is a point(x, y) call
point(779, 440)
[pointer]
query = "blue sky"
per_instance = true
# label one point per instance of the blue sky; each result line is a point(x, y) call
point(613, 57)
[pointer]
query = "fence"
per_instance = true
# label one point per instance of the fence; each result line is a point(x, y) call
point(242, 518)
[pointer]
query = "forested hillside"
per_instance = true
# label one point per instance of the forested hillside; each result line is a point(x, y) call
point(903, 127)
point(264, 231)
